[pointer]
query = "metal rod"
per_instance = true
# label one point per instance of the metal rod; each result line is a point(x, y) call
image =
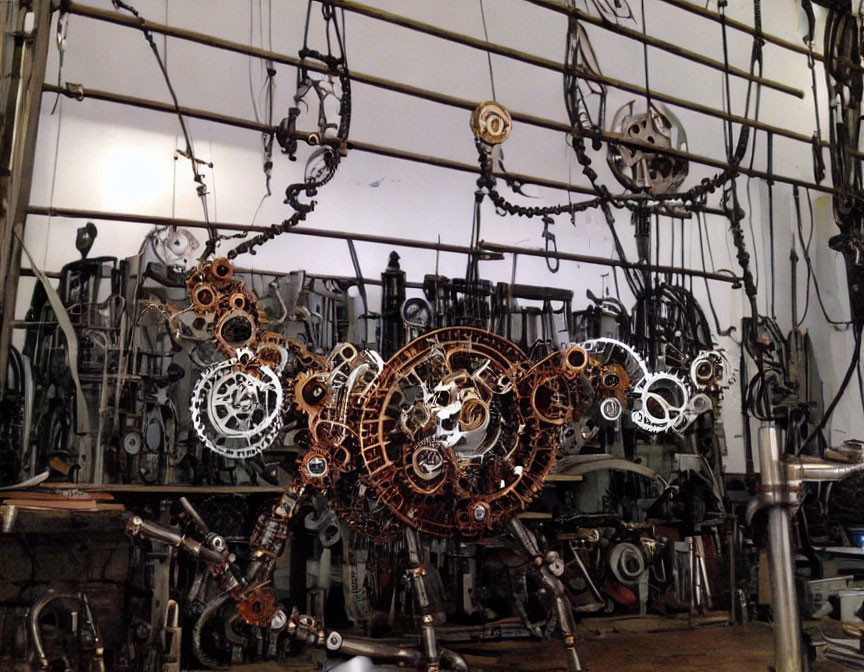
point(365, 238)
point(743, 27)
point(381, 150)
point(787, 624)
point(16, 188)
point(226, 226)
point(662, 45)
point(600, 261)
point(28, 272)
point(425, 94)
point(733, 581)
point(709, 161)
point(358, 145)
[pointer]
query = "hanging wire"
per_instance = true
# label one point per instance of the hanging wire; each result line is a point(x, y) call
point(189, 153)
point(488, 53)
point(811, 275)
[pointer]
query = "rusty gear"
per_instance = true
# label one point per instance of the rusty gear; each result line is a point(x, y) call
point(483, 466)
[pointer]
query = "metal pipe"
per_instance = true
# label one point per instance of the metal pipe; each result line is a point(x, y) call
point(586, 259)
point(425, 94)
point(662, 45)
point(16, 187)
point(359, 145)
point(353, 646)
point(367, 238)
point(381, 150)
point(787, 625)
point(807, 468)
point(733, 578)
point(743, 27)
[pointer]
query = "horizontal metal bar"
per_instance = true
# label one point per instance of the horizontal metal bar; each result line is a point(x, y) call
point(358, 145)
point(600, 261)
point(425, 94)
point(381, 150)
point(662, 45)
point(606, 136)
point(154, 220)
point(190, 490)
point(28, 272)
point(743, 27)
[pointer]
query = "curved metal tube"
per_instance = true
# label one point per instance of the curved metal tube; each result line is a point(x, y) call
point(453, 661)
point(365, 647)
point(405, 655)
point(584, 464)
point(208, 613)
point(33, 619)
point(33, 624)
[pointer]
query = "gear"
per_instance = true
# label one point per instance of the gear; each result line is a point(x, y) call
point(638, 169)
point(257, 606)
point(236, 406)
point(204, 297)
point(710, 370)
point(664, 401)
point(477, 450)
point(311, 392)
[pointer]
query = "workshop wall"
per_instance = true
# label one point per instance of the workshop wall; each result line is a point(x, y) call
point(101, 156)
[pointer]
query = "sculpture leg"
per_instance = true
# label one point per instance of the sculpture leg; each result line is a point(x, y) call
point(417, 571)
point(551, 568)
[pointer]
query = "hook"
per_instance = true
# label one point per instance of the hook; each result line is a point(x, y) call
point(550, 239)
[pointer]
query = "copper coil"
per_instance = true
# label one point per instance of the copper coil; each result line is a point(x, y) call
point(473, 414)
point(422, 476)
point(491, 122)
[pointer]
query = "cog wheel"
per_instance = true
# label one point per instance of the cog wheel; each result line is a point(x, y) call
point(236, 407)
point(710, 370)
point(664, 403)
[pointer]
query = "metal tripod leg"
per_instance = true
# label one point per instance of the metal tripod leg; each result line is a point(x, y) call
point(551, 567)
point(428, 638)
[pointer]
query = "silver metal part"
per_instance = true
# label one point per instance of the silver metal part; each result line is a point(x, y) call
point(664, 400)
point(560, 603)
point(787, 624)
point(235, 413)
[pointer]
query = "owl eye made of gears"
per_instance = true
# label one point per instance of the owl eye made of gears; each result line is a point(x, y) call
point(636, 167)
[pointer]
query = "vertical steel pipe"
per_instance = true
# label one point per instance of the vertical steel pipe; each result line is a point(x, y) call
point(787, 624)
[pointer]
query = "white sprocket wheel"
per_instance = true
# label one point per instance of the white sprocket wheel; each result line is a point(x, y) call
point(236, 408)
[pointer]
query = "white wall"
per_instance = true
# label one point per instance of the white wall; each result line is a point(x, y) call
point(101, 156)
